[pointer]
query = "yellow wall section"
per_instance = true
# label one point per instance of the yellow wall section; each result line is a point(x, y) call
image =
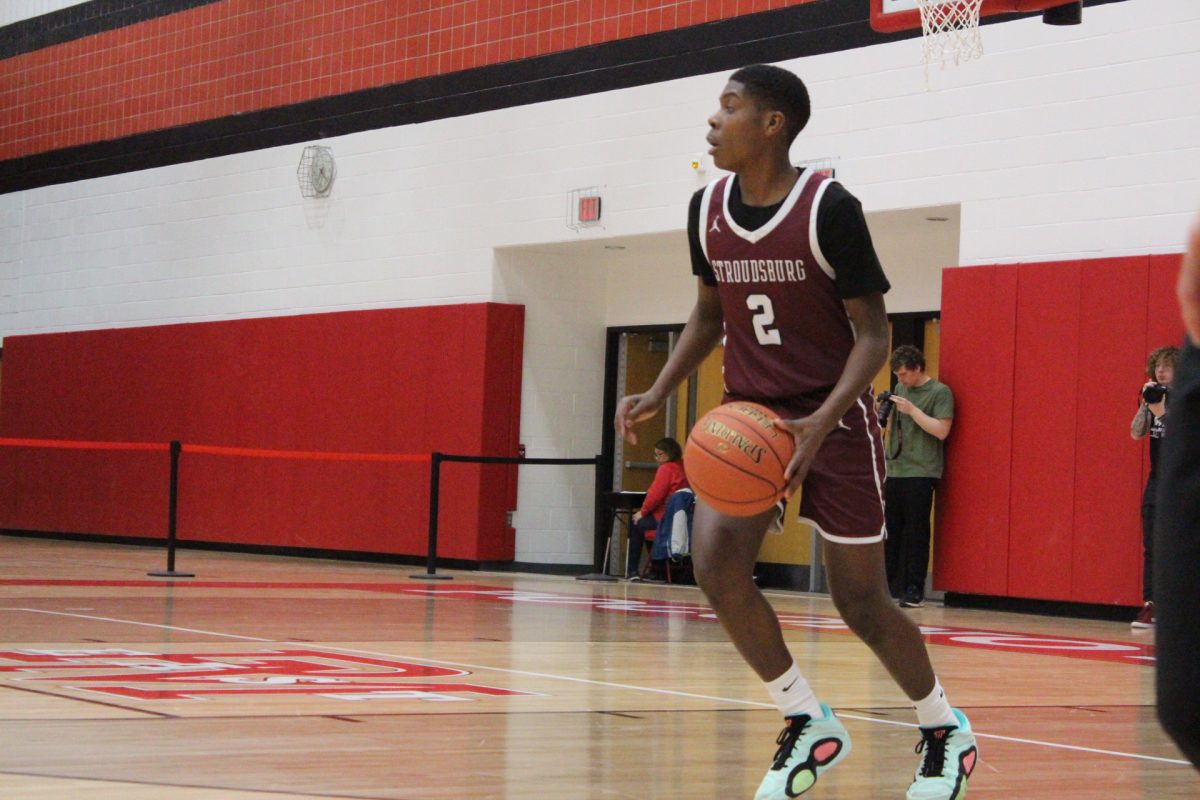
point(642, 366)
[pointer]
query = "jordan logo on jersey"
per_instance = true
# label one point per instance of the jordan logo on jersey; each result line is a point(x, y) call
point(716, 226)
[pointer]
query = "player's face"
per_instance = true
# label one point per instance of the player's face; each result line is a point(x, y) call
point(736, 132)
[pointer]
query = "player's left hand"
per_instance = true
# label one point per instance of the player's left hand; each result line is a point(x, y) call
point(809, 433)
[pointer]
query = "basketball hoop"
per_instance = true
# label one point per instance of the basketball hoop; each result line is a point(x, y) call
point(951, 30)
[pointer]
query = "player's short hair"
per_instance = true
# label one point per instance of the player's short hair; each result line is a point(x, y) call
point(1163, 355)
point(779, 90)
point(908, 357)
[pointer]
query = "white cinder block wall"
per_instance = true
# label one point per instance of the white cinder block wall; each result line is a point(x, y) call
point(1060, 143)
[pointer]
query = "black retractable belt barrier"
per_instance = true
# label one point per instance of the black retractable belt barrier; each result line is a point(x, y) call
point(172, 508)
point(435, 468)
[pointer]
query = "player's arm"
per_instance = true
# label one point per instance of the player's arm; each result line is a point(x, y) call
point(701, 334)
point(846, 242)
point(867, 356)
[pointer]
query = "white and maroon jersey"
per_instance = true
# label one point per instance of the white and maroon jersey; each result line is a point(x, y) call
point(786, 328)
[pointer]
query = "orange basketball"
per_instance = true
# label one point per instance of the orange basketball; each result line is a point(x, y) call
point(735, 458)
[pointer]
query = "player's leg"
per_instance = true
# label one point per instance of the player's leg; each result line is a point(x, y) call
point(859, 590)
point(858, 587)
point(724, 550)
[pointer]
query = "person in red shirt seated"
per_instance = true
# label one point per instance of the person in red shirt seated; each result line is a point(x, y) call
point(667, 480)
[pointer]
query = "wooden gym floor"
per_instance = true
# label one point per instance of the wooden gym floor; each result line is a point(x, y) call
point(266, 678)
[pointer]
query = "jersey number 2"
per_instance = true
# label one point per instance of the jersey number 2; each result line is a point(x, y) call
point(763, 319)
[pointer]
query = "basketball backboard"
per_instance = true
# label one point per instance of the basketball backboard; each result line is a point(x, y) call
point(890, 16)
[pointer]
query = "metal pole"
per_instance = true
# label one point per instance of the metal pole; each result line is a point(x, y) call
point(605, 514)
point(435, 472)
point(172, 513)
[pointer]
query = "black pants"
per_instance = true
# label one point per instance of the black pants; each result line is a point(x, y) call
point(1148, 538)
point(906, 551)
point(637, 541)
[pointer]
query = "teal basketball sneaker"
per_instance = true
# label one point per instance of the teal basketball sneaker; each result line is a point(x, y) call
point(950, 756)
point(807, 747)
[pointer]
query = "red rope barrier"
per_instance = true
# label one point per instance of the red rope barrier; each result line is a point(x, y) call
point(421, 458)
point(214, 450)
point(64, 444)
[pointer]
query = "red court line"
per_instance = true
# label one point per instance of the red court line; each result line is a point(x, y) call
point(208, 449)
point(979, 638)
point(215, 450)
point(64, 444)
point(363, 587)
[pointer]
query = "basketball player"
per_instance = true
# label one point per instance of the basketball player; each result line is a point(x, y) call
point(788, 274)
point(1177, 530)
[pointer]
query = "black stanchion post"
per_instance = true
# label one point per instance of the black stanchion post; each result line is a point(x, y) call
point(172, 509)
point(602, 514)
point(435, 471)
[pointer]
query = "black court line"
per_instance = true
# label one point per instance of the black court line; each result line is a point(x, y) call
point(48, 693)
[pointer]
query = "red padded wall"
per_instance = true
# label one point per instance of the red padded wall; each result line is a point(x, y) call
point(977, 361)
point(1108, 479)
point(1043, 486)
point(1163, 325)
point(1044, 406)
point(387, 381)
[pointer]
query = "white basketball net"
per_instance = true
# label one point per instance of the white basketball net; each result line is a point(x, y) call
point(951, 29)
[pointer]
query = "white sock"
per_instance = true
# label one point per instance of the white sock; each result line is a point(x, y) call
point(934, 711)
point(793, 695)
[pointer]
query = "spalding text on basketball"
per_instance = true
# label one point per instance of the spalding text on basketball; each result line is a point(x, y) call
point(752, 450)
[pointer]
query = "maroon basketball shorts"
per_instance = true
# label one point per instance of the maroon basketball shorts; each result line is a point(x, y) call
point(842, 495)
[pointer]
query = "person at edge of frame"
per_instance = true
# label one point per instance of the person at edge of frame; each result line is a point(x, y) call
point(1177, 530)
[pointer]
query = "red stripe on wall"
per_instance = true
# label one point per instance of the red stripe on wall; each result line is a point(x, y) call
point(239, 56)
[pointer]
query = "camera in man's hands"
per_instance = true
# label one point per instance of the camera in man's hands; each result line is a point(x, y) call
point(886, 404)
point(1154, 393)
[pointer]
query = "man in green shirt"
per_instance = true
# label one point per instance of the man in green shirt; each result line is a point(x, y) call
point(924, 412)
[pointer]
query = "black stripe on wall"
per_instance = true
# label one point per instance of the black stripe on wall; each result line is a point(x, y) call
point(84, 19)
point(824, 26)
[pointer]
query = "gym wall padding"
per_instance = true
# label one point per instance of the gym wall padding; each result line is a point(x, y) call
point(409, 380)
point(1042, 493)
